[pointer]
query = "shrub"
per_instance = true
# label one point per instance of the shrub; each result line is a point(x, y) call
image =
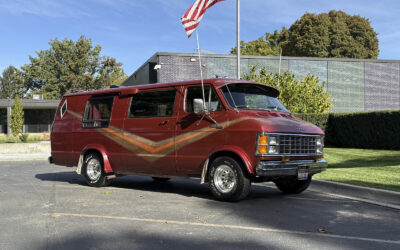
point(17, 117)
point(369, 130)
point(24, 137)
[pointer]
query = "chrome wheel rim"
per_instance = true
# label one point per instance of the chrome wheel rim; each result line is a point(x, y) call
point(93, 169)
point(224, 179)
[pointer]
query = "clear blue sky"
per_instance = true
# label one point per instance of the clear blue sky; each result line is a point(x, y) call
point(133, 30)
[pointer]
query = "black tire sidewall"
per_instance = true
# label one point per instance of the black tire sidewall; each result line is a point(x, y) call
point(237, 192)
point(102, 181)
point(293, 186)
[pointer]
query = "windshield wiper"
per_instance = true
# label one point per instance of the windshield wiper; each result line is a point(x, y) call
point(273, 108)
point(242, 106)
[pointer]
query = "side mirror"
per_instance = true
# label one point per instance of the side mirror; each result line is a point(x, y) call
point(198, 106)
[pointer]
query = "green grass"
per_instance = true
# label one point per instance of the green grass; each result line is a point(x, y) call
point(32, 138)
point(363, 167)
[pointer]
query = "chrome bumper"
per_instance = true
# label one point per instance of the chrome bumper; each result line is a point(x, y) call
point(279, 168)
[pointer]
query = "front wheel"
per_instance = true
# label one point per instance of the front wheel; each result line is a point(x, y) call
point(228, 181)
point(93, 171)
point(292, 185)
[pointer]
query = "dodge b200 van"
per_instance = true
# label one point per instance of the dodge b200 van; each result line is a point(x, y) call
point(226, 132)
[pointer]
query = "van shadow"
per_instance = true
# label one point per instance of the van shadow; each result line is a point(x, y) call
point(181, 186)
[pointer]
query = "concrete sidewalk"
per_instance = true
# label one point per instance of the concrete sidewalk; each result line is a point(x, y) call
point(25, 157)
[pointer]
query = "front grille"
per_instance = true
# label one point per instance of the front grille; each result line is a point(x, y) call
point(297, 145)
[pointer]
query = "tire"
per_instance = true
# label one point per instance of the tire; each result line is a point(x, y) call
point(160, 179)
point(292, 185)
point(93, 170)
point(227, 180)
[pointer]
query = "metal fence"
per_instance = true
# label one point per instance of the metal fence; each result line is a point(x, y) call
point(36, 128)
point(355, 85)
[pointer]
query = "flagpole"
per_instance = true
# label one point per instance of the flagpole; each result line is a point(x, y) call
point(238, 36)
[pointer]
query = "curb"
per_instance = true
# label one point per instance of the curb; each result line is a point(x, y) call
point(365, 194)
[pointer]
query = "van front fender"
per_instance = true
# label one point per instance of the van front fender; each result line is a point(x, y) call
point(239, 152)
point(100, 149)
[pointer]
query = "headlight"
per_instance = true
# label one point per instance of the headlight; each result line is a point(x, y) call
point(267, 145)
point(273, 140)
point(272, 149)
point(320, 145)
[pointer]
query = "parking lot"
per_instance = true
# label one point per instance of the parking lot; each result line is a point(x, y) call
point(44, 206)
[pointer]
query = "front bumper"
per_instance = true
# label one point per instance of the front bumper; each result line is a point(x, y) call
point(279, 168)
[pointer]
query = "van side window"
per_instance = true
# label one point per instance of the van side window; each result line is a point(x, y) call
point(153, 104)
point(196, 93)
point(98, 112)
point(63, 109)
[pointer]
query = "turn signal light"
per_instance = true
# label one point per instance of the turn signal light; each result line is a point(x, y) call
point(262, 149)
point(263, 140)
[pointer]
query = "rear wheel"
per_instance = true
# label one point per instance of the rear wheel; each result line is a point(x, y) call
point(293, 185)
point(93, 171)
point(227, 180)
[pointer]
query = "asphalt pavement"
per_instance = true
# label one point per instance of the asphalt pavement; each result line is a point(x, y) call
point(44, 206)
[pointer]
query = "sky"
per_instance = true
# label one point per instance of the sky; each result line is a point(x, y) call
point(133, 30)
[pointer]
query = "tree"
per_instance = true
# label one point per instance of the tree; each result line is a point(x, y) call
point(17, 117)
point(304, 96)
point(12, 83)
point(268, 46)
point(333, 34)
point(69, 66)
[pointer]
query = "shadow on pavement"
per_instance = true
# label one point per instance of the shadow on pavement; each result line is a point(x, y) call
point(181, 186)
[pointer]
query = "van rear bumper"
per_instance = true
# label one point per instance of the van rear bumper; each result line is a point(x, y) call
point(279, 168)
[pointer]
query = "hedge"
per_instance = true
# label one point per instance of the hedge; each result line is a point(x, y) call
point(369, 130)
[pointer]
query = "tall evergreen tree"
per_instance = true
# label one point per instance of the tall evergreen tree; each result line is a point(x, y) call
point(12, 83)
point(17, 117)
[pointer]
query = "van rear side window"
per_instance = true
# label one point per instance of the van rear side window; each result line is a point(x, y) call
point(63, 109)
point(153, 104)
point(98, 112)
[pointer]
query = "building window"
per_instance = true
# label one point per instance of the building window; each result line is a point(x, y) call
point(153, 104)
point(98, 112)
point(63, 109)
point(197, 93)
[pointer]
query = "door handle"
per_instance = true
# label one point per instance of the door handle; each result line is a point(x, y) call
point(163, 122)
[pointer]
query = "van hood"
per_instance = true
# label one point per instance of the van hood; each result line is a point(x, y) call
point(278, 122)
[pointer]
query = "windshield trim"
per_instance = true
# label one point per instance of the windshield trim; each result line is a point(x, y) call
point(243, 107)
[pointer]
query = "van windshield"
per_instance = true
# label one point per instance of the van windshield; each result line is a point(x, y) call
point(252, 96)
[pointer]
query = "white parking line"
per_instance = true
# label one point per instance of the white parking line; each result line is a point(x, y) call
point(204, 224)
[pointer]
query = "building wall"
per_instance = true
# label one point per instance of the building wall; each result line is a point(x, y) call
point(355, 85)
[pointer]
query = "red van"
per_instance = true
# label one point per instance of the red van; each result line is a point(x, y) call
point(227, 132)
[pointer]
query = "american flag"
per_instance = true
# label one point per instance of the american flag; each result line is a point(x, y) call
point(195, 13)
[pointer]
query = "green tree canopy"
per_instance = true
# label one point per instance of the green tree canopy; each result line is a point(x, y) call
point(17, 117)
point(68, 66)
point(333, 34)
point(263, 46)
point(304, 96)
point(12, 83)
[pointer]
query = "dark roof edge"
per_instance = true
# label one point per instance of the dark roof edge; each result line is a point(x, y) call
point(144, 64)
point(277, 57)
point(30, 103)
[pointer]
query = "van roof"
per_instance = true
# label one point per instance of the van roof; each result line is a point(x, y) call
point(217, 82)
